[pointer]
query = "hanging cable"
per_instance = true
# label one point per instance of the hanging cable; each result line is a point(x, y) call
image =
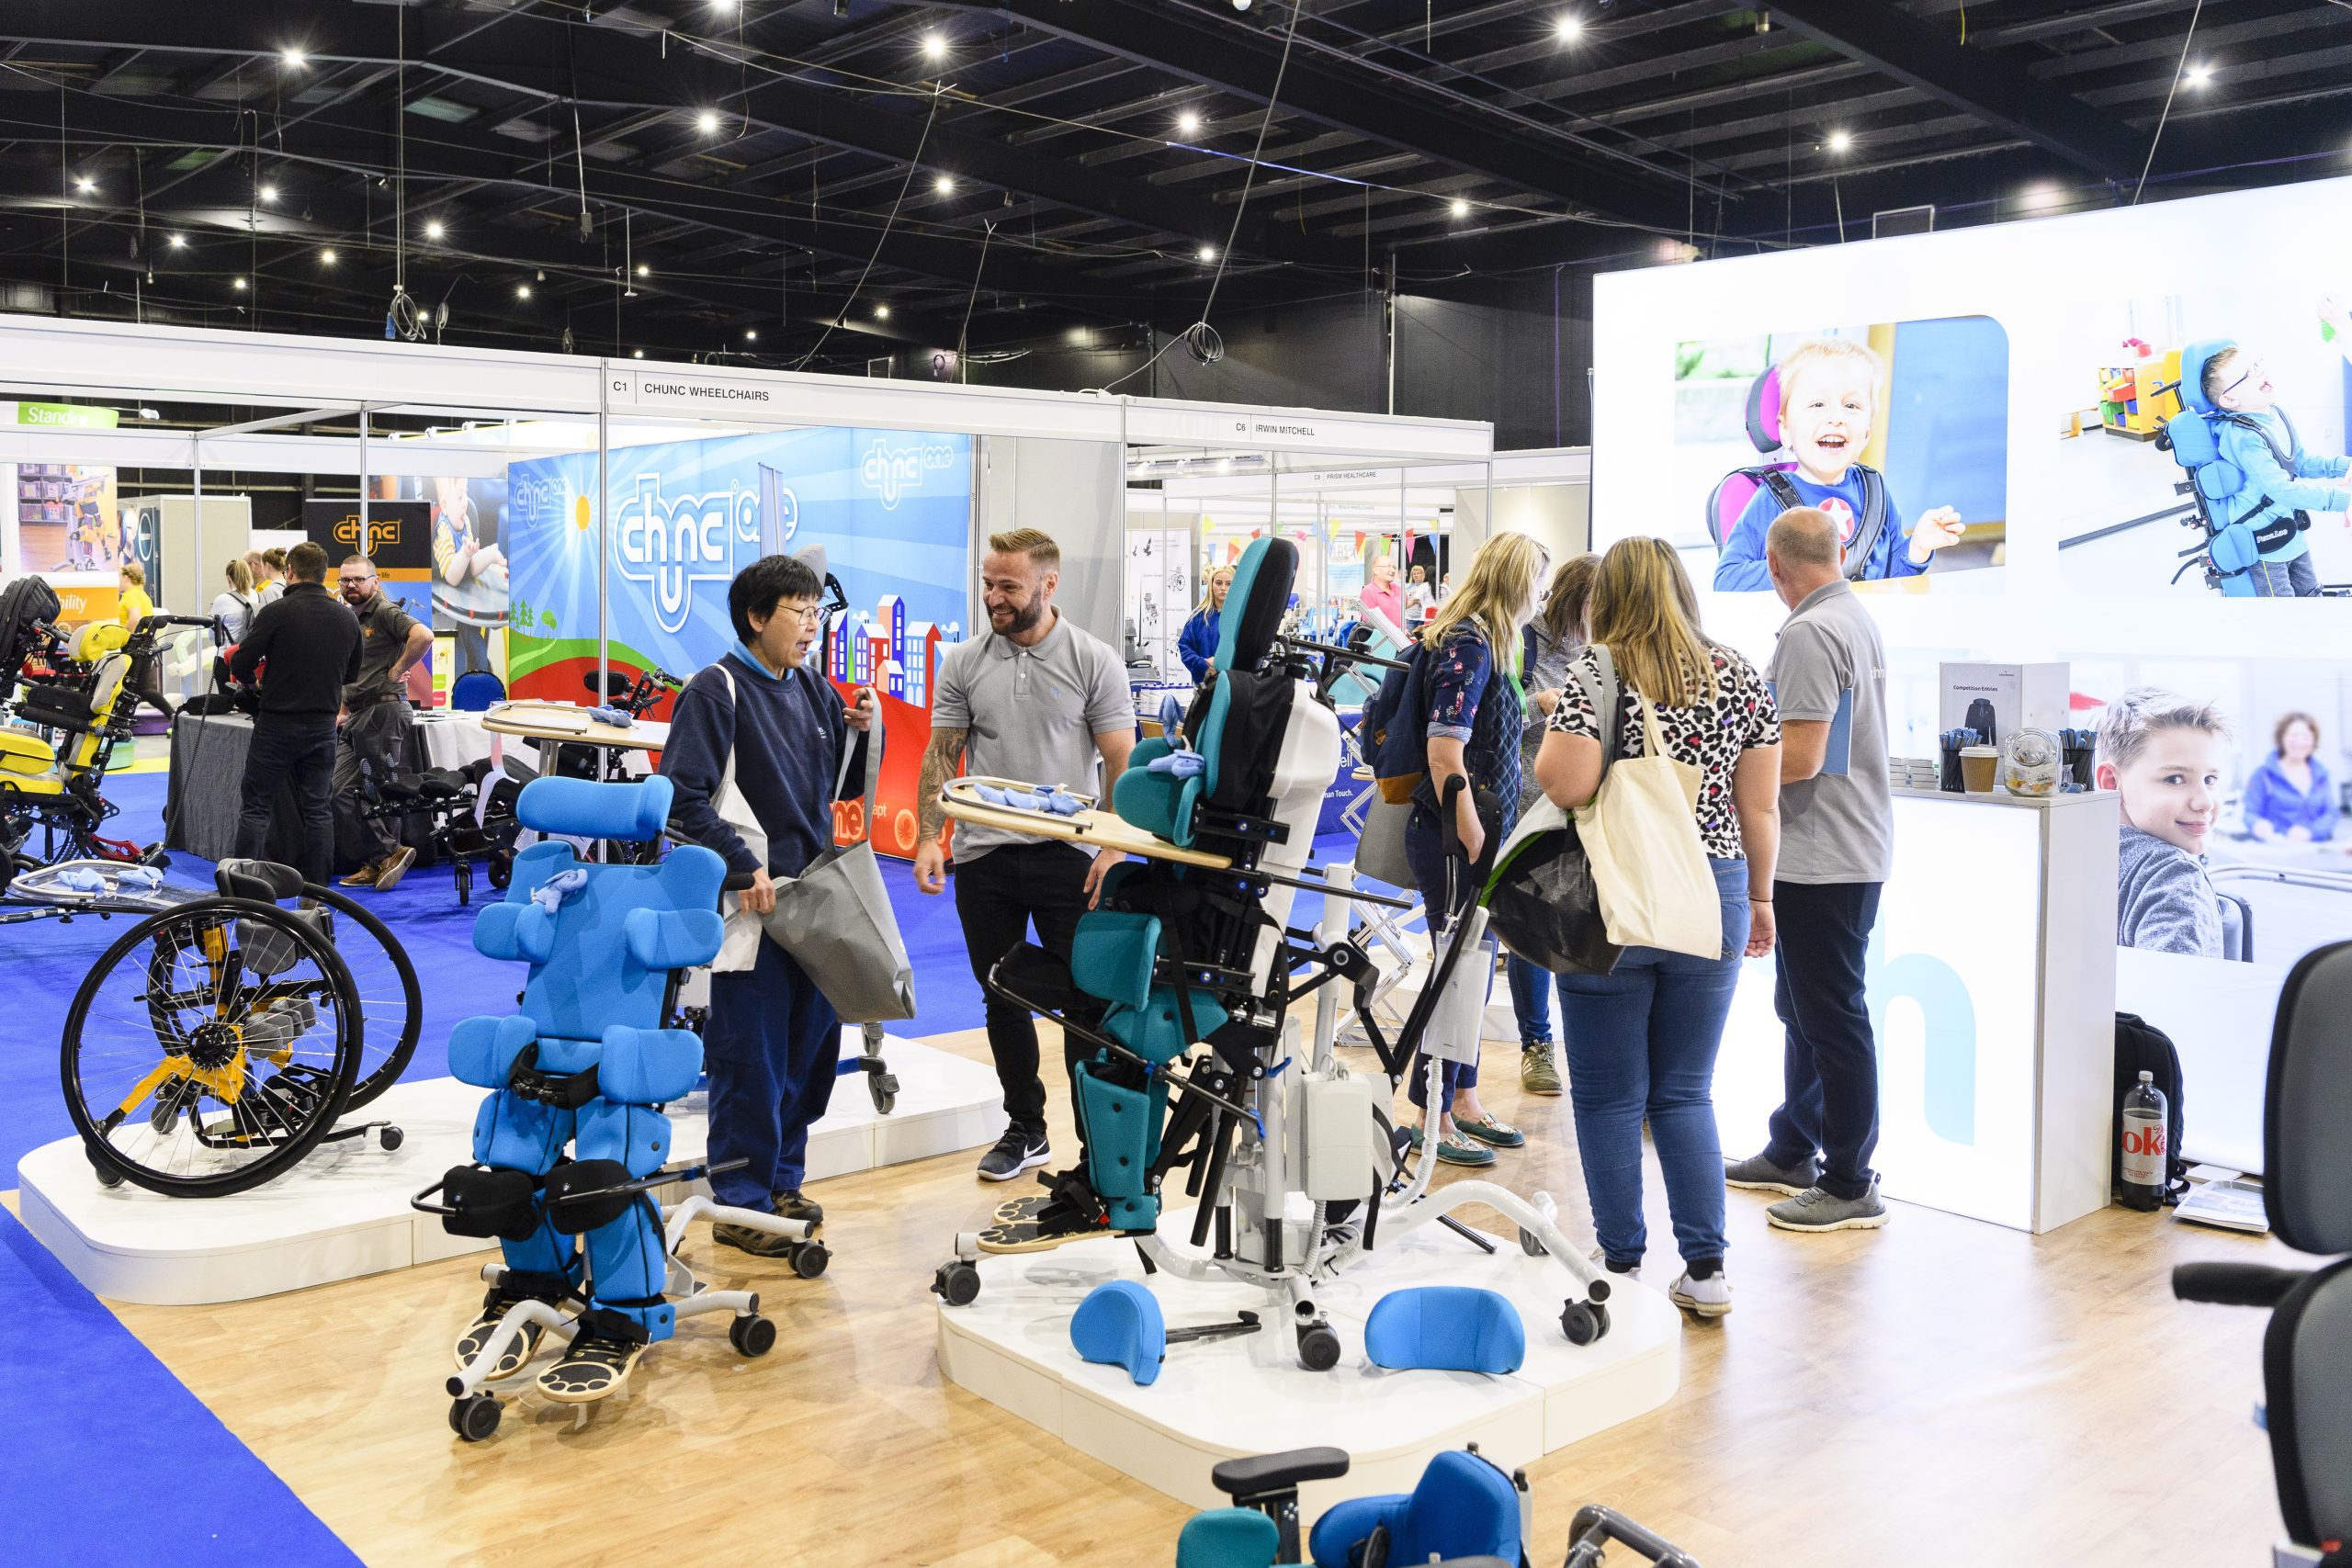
point(963, 331)
point(2179, 66)
point(912, 164)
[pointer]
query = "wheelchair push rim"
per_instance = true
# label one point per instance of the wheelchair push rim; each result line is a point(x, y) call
point(229, 1075)
point(391, 1005)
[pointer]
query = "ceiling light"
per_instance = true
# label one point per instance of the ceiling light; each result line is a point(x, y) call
point(179, 242)
point(521, 291)
point(238, 284)
point(434, 230)
point(640, 354)
point(2200, 74)
point(706, 121)
point(881, 312)
point(2039, 196)
point(1461, 208)
point(643, 270)
point(1839, 141)
point(1569, 28)
point(1189, 123)
point(751, 335)
point(293, 58)
point(1208, 253)
point(942, 184)
point(84, 184)
point(269, 193)
point(933, 47)
point(327, 256)
point(723, 4)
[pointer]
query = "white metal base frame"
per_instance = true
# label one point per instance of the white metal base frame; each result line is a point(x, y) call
point(1225, 1398)
point(344, 1211)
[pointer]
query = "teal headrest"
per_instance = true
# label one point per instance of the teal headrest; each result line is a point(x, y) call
point(1118, 1325)
point(582, 808)
point(2192, 372)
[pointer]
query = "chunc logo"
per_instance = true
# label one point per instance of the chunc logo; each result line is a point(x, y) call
point(673, 544)
point(1950, 1019)
point(890, 469)
point(382, 532)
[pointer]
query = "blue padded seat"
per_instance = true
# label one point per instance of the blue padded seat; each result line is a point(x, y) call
point(1119, 1325)
point(1451, 1329)
point(1463, 1507)
point(1228, 1537)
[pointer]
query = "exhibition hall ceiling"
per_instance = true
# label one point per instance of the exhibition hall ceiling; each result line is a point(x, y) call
point(821, 182)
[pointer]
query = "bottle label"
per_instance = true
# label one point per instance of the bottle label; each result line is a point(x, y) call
point(2144, 1149)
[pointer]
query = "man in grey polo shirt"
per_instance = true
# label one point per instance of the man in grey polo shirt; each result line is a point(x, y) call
point(1039, 700)
point(1837, 847)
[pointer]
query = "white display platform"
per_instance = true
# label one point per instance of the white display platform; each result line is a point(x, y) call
point(344, 1211)
point(1225, 1398)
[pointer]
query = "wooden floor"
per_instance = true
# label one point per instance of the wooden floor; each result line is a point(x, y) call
point(1939, 1391)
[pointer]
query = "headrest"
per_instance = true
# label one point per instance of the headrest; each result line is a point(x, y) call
point(1228, 1537)
point(99, 638)
point(23, 603)
point(582, 808)
point(1764, 410)
point(1118, 1325)
point(1452, 1329)
point(1261, 590)
point(2306, 1164)
point(267, 881)
point(2192, 372)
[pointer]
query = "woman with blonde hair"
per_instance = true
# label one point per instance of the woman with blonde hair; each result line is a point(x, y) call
point(1474, 715)
point(234, 607)
point(1551, 640)
point(1196, 645)
point(1642, 1039)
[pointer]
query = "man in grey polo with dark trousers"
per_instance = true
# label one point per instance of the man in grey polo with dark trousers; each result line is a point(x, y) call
point(1836, 848)
point(1040, 700)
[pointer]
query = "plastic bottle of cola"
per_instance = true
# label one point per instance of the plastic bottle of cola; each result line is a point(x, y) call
point(2145, 1155)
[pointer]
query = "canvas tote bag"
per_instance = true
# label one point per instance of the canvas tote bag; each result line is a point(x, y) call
point(1641, 834)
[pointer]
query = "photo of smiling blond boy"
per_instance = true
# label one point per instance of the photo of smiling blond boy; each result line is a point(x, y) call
point(2163, 753)
point(1831, 390)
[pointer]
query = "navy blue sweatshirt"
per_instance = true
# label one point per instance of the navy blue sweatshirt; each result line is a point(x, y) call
point(786, 735)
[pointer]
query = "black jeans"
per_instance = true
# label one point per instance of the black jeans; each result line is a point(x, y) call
point(1829, 1063)
point(997, 897)
point(372, 742)
point(299, 752)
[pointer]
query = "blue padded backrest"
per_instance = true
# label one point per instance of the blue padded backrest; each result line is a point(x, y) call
point(1228, 1537)
point(1118, 1325)
point(474, 691)
point(2192, 372)
point(1450, 1327)
point(1463, 1507)
point(590, 981)
point(582, 808)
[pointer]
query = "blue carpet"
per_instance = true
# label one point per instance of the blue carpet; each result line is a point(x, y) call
point(115, 1462)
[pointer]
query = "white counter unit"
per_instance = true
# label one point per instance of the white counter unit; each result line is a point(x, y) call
point(1992, 988)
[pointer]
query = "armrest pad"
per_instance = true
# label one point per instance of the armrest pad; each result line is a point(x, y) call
point(516, 932)
point(483, 1050)
point(648, 1066)
point(1260, 1473)
point(674, 939)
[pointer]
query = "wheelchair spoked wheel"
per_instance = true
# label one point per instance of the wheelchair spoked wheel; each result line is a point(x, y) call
point(210, 1048)
point(391, 1005)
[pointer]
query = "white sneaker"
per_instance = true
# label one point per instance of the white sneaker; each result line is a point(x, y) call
point(1601, 1262)
point(1710, 1297)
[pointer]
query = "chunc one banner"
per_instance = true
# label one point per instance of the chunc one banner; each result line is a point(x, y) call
point(892, 509)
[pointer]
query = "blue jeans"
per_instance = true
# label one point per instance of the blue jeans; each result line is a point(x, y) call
point(1641, 1041)
point(2296, 579)
point(1531, 999)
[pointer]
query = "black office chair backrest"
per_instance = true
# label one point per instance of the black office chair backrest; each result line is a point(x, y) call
point(2306, 1159)
point(2307, 1384)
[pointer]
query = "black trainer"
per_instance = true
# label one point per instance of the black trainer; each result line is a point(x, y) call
point(1017, 1151)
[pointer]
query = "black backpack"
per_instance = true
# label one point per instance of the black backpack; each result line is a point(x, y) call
point(2141, 1048)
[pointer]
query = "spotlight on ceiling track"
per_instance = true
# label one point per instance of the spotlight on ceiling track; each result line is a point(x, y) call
point(643, 270)
point(2200, 75)
point(752, 335)
point(881, 312)
point(269, 193)
point(435, 230)
point(1208, 253)
point(179, 242)
point(640, 354)
point(1189, 123)
point(238, 284)
point(1461, 208)
point(944, 185)
point(1763, 21)
point(1241, 5)
point(84, 184)
point(706, 121)
point(1839, 141)
point(1569, 29)
point(933, 47)
point(293, 57)
point(521, 291)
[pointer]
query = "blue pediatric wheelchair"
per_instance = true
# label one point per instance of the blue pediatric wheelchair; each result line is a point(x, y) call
point(1179, 994)
point(1464, 1511)
point(587, 1065)
point(2307, 1195)
point(2234, 527)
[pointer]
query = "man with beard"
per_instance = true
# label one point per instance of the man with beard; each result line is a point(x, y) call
point(376, 722)
point(1039, 700)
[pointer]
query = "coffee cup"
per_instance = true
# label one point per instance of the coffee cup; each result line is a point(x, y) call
point(1978, 767)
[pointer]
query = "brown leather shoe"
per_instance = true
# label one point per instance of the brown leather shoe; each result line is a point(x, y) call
point(364, 877)
point(395, 866)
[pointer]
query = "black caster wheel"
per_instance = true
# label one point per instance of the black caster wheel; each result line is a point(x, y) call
point(1529, 1243)
point(884, 1086)
point(388, 1138)
point(500, 868)
point(752, 1335)
point(809, 1260)
point(108, 1178)
point(474, 1418)
point(465, 883)
point(1584, 1322)
point(1318, 1347)
point(956, 1284)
